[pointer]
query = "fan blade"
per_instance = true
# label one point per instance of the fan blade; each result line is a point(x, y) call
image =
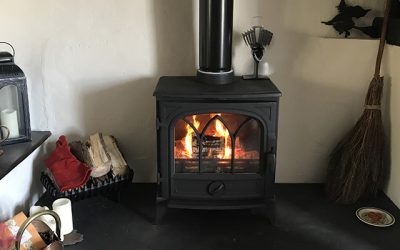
point(265, 38)
point(262, 37)
point(253, 38)
point(269, 37)
point(247, 39)
point(244, 38)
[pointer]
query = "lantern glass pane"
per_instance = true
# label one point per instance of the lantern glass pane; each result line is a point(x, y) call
point(10, 111)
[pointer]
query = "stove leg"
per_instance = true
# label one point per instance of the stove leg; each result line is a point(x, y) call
point(161, 210)
point(271, 213)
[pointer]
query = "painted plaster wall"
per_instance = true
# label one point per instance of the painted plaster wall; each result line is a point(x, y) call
point(21, 188)
point(92, 66)
point(392, 119)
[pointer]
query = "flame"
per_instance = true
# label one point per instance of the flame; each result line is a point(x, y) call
point(184, 148)
point(189, 137)
point(222, 131)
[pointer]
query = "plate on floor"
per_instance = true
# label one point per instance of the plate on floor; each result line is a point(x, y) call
point(375, 217)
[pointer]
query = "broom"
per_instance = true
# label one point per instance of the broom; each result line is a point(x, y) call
point(356, 165)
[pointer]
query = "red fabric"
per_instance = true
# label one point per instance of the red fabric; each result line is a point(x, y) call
point(6, 237)
point(68, 171)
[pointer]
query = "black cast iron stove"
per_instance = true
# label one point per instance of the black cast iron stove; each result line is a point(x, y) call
point(216, 143)
point(216, 133)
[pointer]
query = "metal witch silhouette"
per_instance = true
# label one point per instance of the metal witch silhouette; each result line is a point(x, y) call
point(343, 22)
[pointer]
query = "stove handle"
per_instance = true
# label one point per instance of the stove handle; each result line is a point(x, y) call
point(216, 187)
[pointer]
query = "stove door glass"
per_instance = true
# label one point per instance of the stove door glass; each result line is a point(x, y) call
point(217, 143)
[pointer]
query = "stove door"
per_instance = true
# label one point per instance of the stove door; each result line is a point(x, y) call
point(216, 151)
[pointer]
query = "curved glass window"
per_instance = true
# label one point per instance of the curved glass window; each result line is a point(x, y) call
point(11, 111)
point(217, 143)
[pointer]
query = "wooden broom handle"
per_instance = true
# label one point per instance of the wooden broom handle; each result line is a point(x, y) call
point(383, 39)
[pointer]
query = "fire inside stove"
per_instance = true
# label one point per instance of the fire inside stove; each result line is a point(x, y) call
point(217, 143)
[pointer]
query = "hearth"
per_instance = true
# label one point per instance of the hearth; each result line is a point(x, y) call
point(216, 143)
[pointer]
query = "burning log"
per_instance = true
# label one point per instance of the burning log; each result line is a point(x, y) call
point(213, 147)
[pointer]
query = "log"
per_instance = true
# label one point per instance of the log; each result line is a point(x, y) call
point(81, 152)
point(99, 155)
point(119, 167)
point(212, 147)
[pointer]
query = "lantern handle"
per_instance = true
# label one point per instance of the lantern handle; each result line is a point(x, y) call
point(7, 133)
point(11, 47)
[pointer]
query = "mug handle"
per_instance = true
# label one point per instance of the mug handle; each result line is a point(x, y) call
point(8, 133)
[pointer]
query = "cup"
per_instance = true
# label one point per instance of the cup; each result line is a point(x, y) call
point(63, 208)
point(4, 138)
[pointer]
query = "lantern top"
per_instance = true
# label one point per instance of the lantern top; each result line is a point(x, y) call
point(10, 71)
point(6, 57)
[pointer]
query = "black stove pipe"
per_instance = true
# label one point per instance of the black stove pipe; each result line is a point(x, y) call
point(215, 40)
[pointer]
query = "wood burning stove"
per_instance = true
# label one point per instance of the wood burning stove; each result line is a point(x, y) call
point(216, 133)
point(216, 143)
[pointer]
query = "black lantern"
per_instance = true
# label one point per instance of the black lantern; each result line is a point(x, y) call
point(14, 109)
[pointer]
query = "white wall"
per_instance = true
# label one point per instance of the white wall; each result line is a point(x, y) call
point(92, 66)
point(392, 120)
point(21, 188)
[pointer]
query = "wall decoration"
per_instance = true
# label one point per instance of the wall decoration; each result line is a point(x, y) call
point(393, 32)
point(344, 21)
point(393, 36)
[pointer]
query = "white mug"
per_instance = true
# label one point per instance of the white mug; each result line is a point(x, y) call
point(63, 208)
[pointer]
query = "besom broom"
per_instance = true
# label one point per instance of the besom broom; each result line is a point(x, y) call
point(356, 168)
